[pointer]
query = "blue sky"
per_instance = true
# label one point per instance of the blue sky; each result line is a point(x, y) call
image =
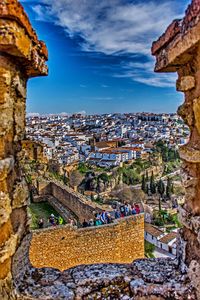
point(99, 56)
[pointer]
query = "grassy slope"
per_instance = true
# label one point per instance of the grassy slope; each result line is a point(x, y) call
point(41, 210)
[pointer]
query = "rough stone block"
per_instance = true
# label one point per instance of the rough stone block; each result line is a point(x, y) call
point(20, 194)
point(8, 249)
point(20, 86)
point(5, 207)
point(6, 121)
point(196, 108)
point(19, 119)
point(185, 83)
point(6, 165)
point(189, 154)
point(194, 275)
point(187, 113)
point(4, 271)
point(5, 81)
point(6, 231)
point(19, 220)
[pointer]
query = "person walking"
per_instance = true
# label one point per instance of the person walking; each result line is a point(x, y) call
point(133, 210)
point(122, 211)
point(126, 207)
point(103, 217)
point(52, 220)
point(117, 214)
point(41, 223)
point(85, 224)
point(60, 220)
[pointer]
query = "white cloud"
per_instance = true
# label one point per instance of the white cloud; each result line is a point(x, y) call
point(106, 98)
point(143, 73)
point(113, 27)
point(30, 114)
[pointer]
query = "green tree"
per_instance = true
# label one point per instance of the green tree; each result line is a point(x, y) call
point(149, 249)
point(82, 167)
point(161, 187)
point(147, 177)
point(144, 184)
point(152, 184)
point(165, 154)
point(169, 188)
point(104, 177)
point(172, 188)
point(161, 191)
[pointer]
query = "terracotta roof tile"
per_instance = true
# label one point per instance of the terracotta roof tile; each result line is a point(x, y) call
point(153, 230)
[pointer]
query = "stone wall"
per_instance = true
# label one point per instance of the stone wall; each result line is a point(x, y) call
point(22, 56)
point(178, 50)
point(75, 202)
point(144, 279)
point(34, 151)
point(120, 242)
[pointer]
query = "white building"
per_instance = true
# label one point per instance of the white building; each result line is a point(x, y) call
point(152, 234)
point(160, 239)
point(168, 242)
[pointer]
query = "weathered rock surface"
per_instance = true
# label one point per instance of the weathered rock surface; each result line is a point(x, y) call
point(153, 279)
point(22, 56)
point(178, 50)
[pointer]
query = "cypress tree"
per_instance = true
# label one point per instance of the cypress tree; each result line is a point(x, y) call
point(168, 188)
point(147, 177)
point(161, 187)
point(172, 188)
point(145, 186)
point(143, 183)
point(152, 184)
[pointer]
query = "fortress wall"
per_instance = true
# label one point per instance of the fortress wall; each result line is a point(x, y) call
point(120, 242)
point(73, 201)
point(178, 50)
point(81, 207)
point(22, 56)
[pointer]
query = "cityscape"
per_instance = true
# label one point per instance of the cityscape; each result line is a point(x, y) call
point(115, 159)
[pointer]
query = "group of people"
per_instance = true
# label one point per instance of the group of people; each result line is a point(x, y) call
point(99, 219)
point(52, 220)
point(55, 221)
point(124, 210)
point(119, 211)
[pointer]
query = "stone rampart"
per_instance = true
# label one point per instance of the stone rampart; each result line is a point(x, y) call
point(75, 202)
point(119, 242)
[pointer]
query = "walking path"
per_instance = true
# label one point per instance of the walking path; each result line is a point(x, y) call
point(160, 253)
